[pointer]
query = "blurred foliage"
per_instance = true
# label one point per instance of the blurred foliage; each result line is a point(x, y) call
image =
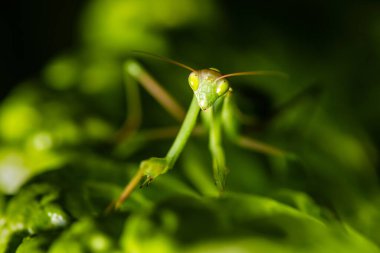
point(59, 169)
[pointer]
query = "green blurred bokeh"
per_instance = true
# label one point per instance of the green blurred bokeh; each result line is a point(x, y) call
point(59, 169)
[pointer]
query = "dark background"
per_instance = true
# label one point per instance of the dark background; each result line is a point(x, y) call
point(32, 33)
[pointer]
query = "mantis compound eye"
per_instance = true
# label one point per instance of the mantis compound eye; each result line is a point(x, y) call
point(194, 81)
point(222, 87)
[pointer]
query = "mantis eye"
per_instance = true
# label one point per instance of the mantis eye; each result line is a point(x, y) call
point(194, 81)
point(222, 87)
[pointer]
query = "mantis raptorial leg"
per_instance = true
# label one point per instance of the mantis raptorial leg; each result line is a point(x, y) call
point(153, 167)
point(215, 145)
point(211, 92)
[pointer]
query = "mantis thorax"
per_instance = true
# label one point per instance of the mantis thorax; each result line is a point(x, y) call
point(208, 86)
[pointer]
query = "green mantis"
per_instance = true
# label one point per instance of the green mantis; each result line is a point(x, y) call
point(212, 95)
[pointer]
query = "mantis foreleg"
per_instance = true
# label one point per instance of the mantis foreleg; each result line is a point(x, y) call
point(215, 144)
point(153, 167)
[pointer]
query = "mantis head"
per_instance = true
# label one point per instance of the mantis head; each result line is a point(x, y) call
point(208, 85)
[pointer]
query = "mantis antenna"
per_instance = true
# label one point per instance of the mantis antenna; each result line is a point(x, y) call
point(254, 73)
point(164, 59)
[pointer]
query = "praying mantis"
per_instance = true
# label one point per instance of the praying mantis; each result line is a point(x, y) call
point(212, 96)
